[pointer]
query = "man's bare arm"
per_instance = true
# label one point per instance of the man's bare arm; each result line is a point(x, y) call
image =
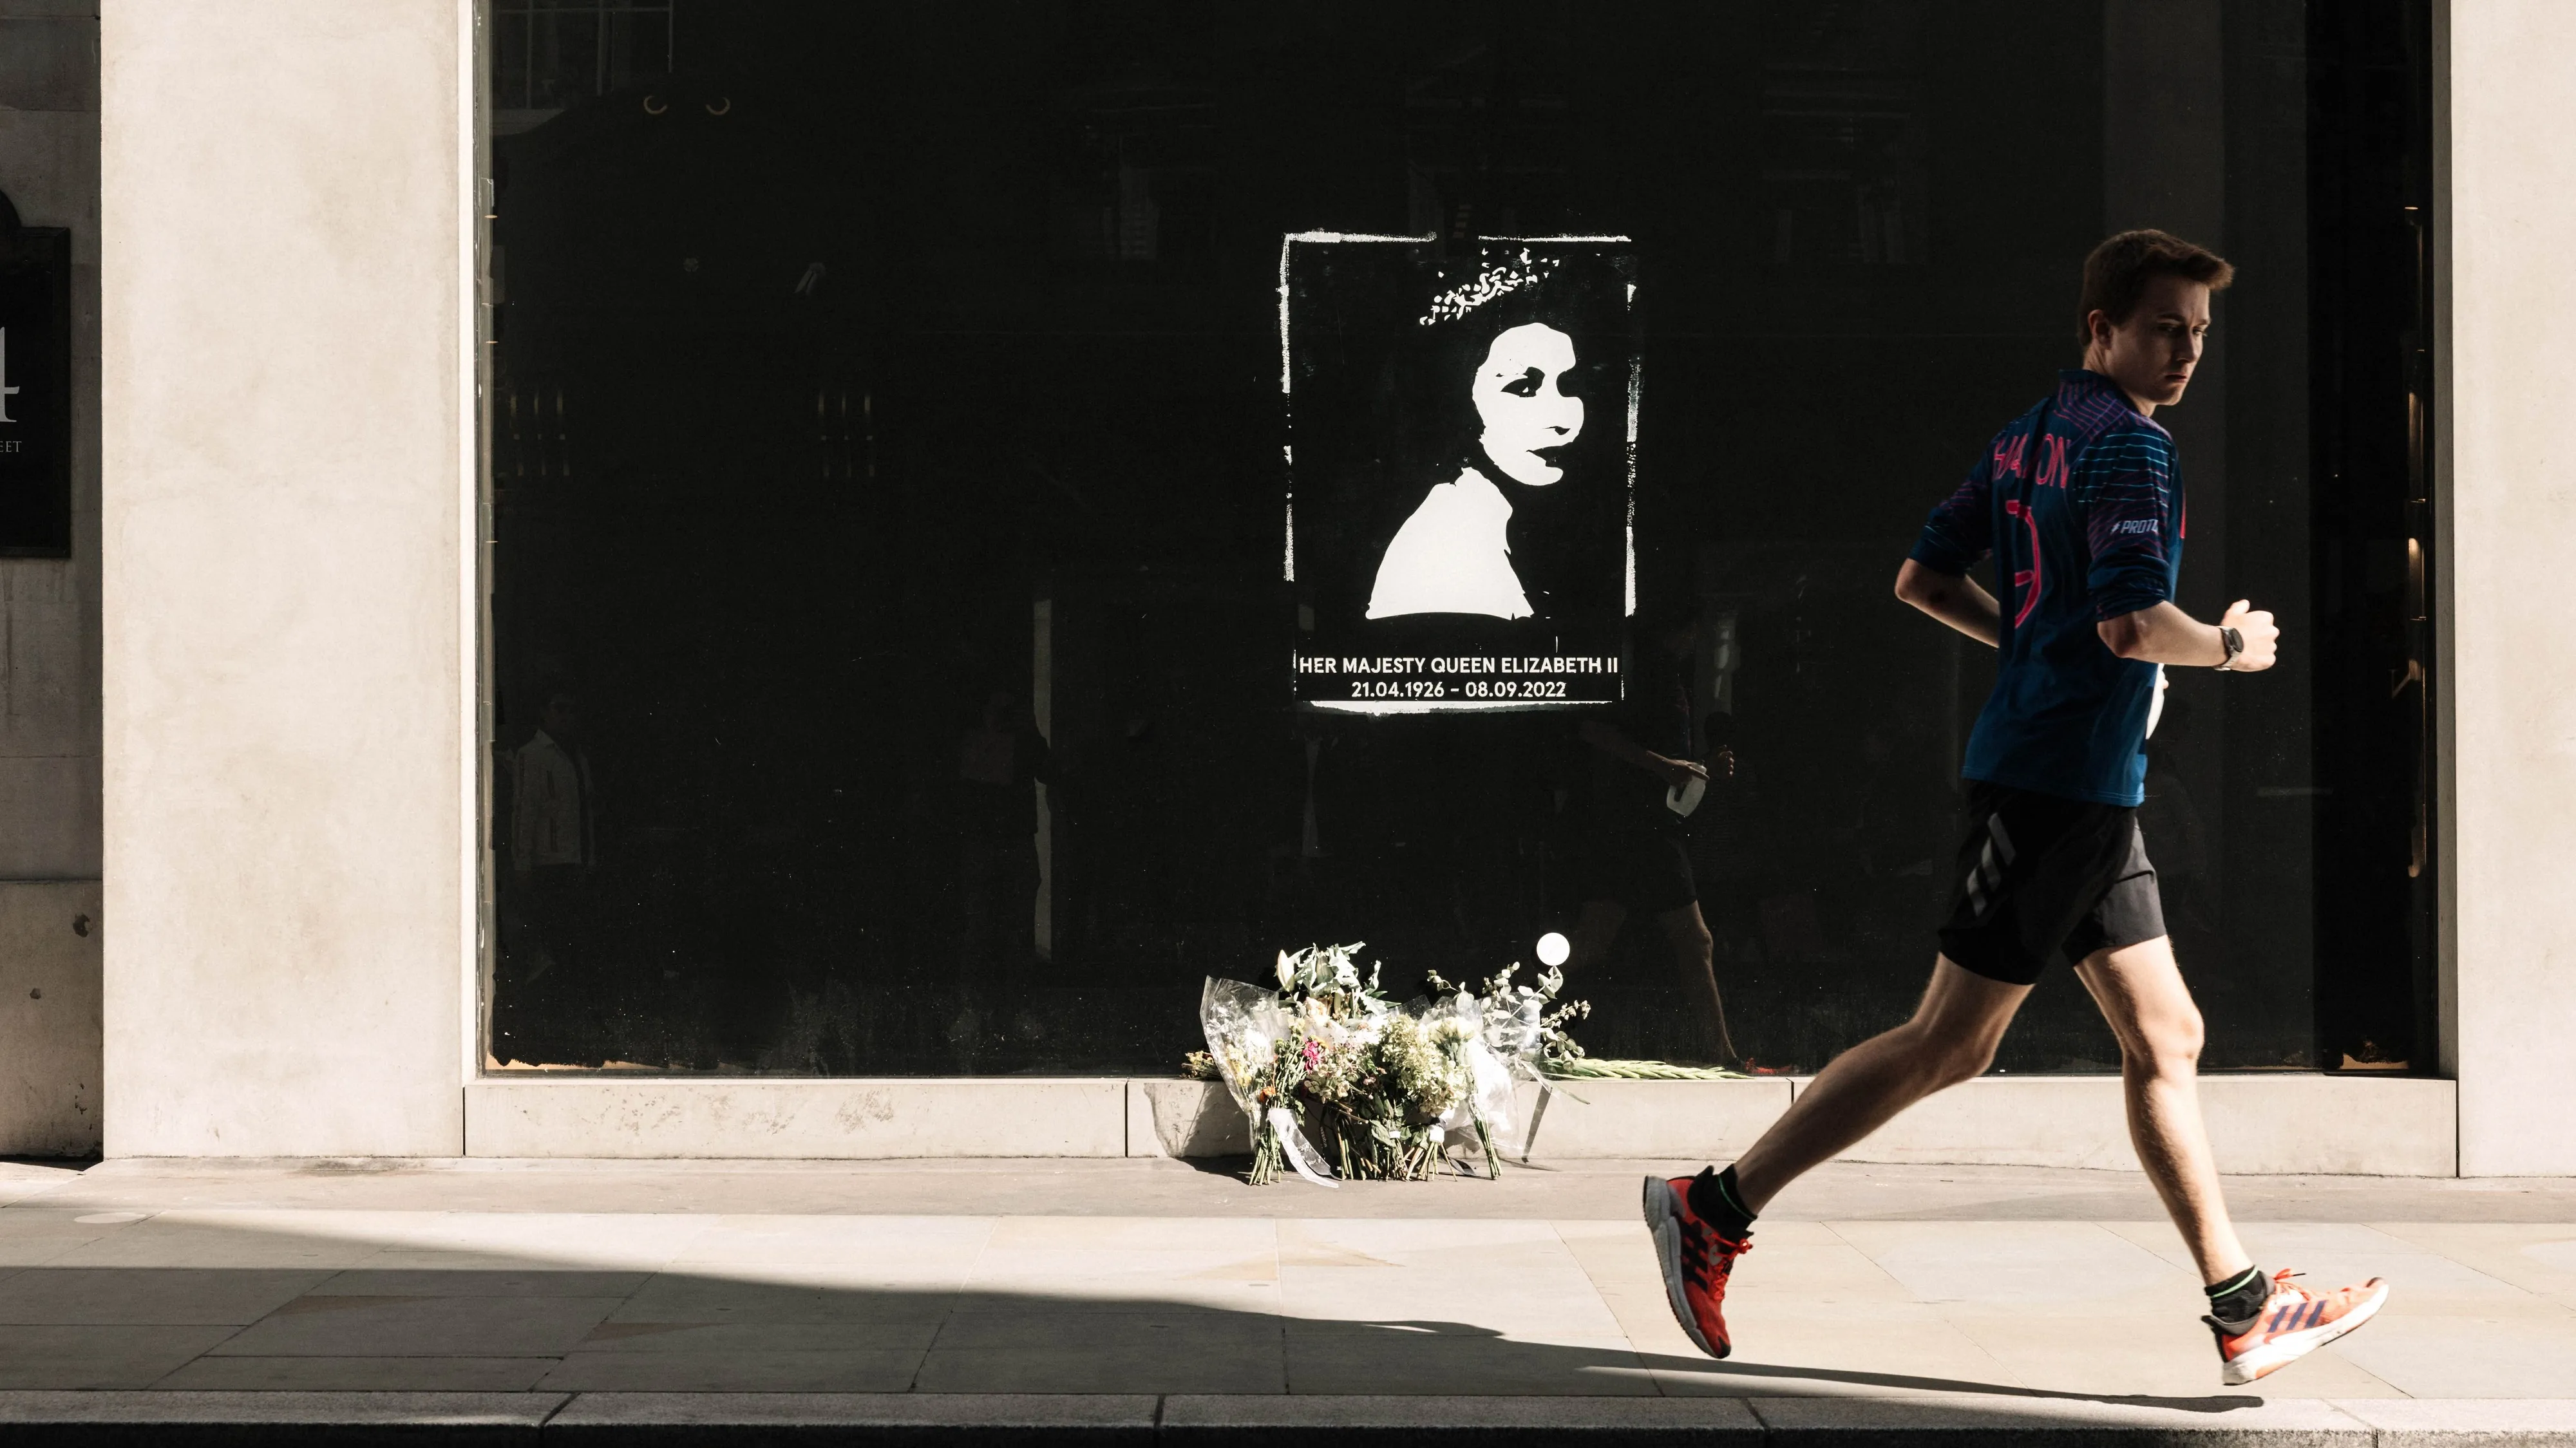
point(2165, 634)
point(1955, 599)
point(1614, 741)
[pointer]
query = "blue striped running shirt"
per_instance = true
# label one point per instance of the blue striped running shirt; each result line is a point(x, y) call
point(2080, 500)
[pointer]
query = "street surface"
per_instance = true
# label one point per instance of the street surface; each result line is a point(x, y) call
point(2010, 1287)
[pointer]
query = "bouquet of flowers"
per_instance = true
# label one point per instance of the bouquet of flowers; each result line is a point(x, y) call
point(1388, 1090)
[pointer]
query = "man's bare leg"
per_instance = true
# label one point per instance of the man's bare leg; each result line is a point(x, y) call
point(2142, 995)
point(1594, 930)
point(1952, 1038)
point(1695, 951)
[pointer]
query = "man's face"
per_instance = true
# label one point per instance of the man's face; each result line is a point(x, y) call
point(561, 719)
point(2153, 354)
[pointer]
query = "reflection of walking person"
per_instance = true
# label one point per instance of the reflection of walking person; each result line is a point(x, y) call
point(554, 849)
point(2080, 501)
point(1631, 857)
point(1453, 554)
point(999, 763)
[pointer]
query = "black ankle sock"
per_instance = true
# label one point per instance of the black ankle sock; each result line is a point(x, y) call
point(1719, 1202)
point(2239, 1299)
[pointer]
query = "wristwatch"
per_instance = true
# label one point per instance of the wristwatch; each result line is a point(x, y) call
point(2235, 643)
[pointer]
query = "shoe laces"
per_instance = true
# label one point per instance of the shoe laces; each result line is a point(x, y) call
point(1697, 1265)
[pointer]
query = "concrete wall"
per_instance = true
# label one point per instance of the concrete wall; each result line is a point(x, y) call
point(49, 1018)
point(286, 446)
point(49, 618)
point(2511, 512)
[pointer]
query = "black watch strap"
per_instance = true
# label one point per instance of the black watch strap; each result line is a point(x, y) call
point(2235, 643)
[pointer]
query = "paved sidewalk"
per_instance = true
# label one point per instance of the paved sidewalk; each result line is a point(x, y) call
point(566, 1288)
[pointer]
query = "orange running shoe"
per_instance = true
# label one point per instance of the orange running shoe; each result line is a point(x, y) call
point(1697, 1259)
point(2293, 1323)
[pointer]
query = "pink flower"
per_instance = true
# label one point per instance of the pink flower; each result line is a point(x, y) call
point(1314, 1052)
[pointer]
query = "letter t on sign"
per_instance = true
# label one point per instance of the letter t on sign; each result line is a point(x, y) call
point(6, 391)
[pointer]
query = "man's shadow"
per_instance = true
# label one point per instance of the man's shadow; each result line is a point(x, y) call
point(1559, 1357)
point(313, 1295)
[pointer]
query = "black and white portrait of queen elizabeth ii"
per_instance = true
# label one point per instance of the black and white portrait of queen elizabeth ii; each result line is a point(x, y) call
point(1461, 446)
point(1454, 553)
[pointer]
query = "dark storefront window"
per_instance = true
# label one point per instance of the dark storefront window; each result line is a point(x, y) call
point(891, 648)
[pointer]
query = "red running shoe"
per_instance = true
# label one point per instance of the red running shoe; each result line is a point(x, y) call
point(2293, 1323)
point(1697, 1259)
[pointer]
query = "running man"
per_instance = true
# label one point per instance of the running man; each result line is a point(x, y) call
point(2080, 500)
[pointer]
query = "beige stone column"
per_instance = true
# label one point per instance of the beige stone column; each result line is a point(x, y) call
point(2509, 495)
point(286, 396)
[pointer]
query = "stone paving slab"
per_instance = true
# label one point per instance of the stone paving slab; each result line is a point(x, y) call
point(2461, 1422)
point(2057, 1421)
point(285, 1420)
point(722, 1420)
point(1489, 1422)
point(677, 1419)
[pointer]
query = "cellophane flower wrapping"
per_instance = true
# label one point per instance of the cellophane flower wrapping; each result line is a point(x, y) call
point(1254, 1048)
point(1335, 1077)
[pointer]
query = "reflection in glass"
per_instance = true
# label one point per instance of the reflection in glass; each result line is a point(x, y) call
point(887, 457)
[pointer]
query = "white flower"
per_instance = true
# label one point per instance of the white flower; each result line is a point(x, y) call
point(1287, 972)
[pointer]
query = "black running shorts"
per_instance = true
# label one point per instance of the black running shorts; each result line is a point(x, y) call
point(2040, 876)
point(1644, 869)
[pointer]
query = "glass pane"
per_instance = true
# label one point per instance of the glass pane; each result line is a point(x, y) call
point(896, 663)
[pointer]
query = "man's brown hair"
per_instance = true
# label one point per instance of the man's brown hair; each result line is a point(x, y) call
point(2117, 273)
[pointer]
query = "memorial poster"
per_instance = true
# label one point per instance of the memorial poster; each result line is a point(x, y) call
point(1461, 462)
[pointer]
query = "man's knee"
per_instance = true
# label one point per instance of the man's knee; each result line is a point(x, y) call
point(1692, 939)
point(1965, 1061)
point(2170, 1045)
